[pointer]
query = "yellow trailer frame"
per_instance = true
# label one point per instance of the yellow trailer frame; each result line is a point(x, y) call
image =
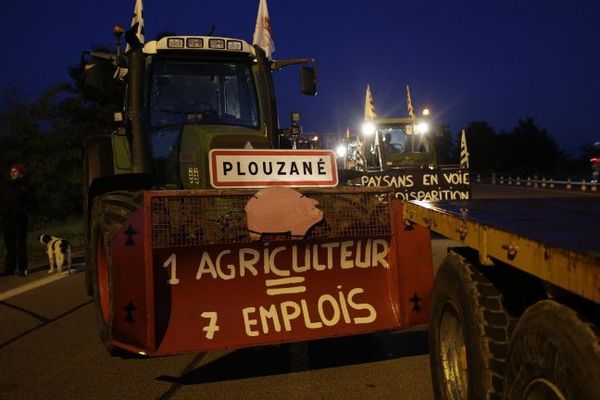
point(556, 240)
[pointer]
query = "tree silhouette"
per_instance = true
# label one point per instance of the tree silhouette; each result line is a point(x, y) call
point(444, 145)
point(47, 134)
point(481, 142)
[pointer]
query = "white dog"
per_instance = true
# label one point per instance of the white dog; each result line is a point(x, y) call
point(59, 252)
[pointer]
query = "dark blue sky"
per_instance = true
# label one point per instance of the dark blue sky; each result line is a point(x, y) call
point(478, 60)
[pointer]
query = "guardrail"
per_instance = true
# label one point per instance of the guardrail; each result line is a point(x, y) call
point(537, 183)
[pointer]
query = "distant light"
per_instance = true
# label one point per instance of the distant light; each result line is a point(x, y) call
point(315, 138)
point(426, 112)
point(340, 150)
point(422, 127)
point(368, 129)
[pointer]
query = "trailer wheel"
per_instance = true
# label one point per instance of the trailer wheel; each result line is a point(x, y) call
point(109, 213)
point(554, 354)
point(468, 333)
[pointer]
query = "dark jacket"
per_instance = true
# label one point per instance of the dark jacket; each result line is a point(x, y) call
point(17, 199)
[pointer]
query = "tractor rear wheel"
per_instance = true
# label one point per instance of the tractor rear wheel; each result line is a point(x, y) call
point(109, 213)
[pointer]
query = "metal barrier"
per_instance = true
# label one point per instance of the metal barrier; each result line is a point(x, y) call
point(540, 183)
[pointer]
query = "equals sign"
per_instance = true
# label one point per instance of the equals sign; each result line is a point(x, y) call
point(274, 286)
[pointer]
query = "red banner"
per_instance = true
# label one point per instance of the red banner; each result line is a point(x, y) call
point(251, 294)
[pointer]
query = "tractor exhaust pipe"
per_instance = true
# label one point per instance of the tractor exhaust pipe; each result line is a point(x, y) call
point(135, 102)
point(135, 111)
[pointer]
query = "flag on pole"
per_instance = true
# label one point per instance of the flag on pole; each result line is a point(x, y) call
point(263, 36)
point(464, 152)
point(137, 23)
point(358, 155)
point(411, 110)
point(369, 106)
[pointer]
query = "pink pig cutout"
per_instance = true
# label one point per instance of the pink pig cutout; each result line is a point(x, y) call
point(281, 210)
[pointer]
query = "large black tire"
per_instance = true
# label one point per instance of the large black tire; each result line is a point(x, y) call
point(468, 333)
point(97, 162)
point(109, 213)
point(553, 354)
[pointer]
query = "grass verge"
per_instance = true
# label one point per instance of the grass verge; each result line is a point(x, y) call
point(70, 229)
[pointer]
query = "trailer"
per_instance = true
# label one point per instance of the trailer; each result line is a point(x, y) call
point(514, 310)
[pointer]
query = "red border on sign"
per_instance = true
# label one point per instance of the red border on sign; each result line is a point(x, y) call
point(254, 184)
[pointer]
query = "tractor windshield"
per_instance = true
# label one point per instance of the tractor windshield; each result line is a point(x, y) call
point(396, 140)
point(188, 92)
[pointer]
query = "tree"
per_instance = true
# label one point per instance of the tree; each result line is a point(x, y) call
point(481, 142)
point(533, 150)
point(47, 135)
point(444, 145)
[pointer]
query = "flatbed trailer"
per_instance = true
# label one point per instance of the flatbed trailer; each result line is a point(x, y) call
point(514, 310)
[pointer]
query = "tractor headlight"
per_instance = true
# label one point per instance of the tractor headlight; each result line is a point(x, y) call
point(422, 127)
point(175, 43)
point(195, 43)
point(216, 43)
point(368, 129)
point(235, 45)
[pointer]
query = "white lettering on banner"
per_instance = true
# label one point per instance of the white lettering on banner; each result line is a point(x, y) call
point(433, 195)
point(331, 310)
point(424, 186)
point(172, 261)
point(269, 283)
point(281, 267)
point(352, 254)
point(457, 178)
point(430, 179)
point(408, 180)
point(212, 326)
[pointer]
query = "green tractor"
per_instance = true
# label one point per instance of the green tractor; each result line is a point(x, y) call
point(185, 95)
point(398, 152)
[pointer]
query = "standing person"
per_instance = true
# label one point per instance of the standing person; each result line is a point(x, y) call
point(17, 200)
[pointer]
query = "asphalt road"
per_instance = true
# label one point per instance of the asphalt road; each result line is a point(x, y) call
point(49, 349)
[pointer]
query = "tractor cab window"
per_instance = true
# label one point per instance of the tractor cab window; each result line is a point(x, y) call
point(395, 140)
point(186, 92)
